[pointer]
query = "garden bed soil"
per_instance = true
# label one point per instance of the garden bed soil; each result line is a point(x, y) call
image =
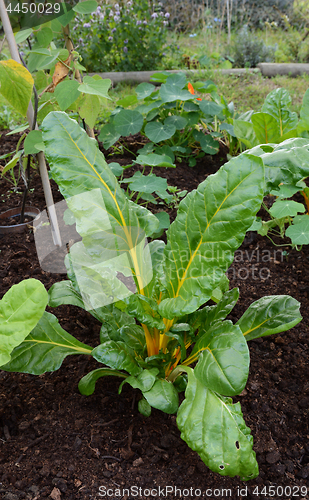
point(57, 444)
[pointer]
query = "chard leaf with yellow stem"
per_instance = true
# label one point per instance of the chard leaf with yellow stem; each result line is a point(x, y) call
point(113, 229)
point(210, 225)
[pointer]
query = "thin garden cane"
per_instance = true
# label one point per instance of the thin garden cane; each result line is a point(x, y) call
point(70, 47)
point(30, 116)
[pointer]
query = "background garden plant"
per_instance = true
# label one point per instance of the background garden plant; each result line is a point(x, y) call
point(124, 36)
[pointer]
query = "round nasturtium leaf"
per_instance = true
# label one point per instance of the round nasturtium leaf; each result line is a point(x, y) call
point(299, 232)
point(157, 132)
point(108, 135)
point(128, 122)
point(179, 121)
point(144, 90)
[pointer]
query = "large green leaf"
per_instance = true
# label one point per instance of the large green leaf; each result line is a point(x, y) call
point(111, 226)
point(210, 225)
point(95, 86)
point(224, 359)
point(269, 315)
point(214, 427)
point(144, 381)
point(163, 396)
point(299, 231)
point(89, 109)
point(244, 131)
point(287, 163)
point(210, 108)
point(86, 7)
point(155, 160)
point(16, 84)
point(128, 122)
point(157, 131)
point(33, 142)
point(63, 292)
point(109, 135)
point(144, 90)
point(284, 208)
point(265, 127)
point(277, 104)
point(20, 310)
point(171, 93)
point(117, 355)
point(45, 348)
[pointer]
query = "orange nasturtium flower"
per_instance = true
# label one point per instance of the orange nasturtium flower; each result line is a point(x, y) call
point(191, 90)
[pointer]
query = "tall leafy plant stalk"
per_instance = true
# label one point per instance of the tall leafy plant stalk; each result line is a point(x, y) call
point(164, 338)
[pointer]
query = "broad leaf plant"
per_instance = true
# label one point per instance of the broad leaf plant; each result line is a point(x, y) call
point(160, 333)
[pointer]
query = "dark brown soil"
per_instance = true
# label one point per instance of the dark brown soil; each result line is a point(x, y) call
point(58, 444)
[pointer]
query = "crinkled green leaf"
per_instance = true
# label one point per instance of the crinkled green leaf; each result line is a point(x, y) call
point(206, 317)
point(223, 364)
point(266, 128)
point(244, 131)
point(269, 315)
point(210, 225)
point(111, 226)
point(45, 348)
point(117, 355)
point(277, 104)
point(20, 309)
point(144, 407)
point(144, 381)
point(144, 309)
point(163, 396)
point(214, 427)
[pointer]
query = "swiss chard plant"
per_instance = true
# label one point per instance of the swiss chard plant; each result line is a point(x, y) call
point(274, 123)
point(286, 169)
point(159, 333)
point(177, 122)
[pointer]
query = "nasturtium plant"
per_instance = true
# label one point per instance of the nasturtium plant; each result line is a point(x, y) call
point(286, 168)
point(172, 116)
point(160, 333)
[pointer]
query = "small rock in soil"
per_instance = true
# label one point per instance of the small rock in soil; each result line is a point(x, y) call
point(55, 494)
point(273, 457)
point(10, 496)
point(137, 462)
